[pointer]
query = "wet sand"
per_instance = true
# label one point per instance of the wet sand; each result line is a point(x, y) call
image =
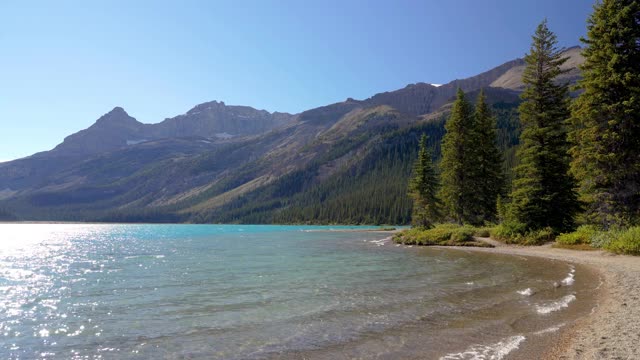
point(612, 331)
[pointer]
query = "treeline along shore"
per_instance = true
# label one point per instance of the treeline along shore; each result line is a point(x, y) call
point(577, 173)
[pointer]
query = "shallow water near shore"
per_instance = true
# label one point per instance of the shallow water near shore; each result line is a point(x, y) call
point(262, 292)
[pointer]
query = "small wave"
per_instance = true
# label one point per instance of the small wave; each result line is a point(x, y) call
point(495, 351)
point(378, 242)
point(526, 292)
point(549, 330)
point(570, 279)
point(556, 305)
point(381, 241)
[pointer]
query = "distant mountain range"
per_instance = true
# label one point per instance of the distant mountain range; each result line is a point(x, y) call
point(346, 162)
point(214, 121)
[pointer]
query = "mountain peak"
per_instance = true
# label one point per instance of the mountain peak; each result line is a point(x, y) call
point(211, 105)
point(116, 116)
point(116, 113)
point(118, 110)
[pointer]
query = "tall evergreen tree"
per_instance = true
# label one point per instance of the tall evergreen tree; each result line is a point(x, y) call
point(543, 191)
point(423, 187)
point(457, 158)
point(605, 119)
point(487, 169)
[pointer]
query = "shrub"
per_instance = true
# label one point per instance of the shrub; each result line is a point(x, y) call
point(483, 231)
point(627, 242)
point(536, 237)
point(602, 238)
point(440, 233)
point(583, 235)
point(508, 230)
point(443, 234)
point(512, 232)
point(463, 234)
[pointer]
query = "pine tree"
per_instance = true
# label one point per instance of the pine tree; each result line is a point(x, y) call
point(605, 119)
point(487, 168)
point(543, 192)
point(423, 187)
point(456, 193)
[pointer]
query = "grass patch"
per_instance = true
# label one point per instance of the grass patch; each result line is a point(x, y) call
point(443, 234)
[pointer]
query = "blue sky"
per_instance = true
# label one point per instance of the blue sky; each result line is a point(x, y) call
point(65, 63)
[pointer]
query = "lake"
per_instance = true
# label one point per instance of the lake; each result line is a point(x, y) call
point(97, 291)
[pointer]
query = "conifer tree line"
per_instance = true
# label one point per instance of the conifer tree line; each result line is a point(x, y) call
point(471, 176)
point(578, 160)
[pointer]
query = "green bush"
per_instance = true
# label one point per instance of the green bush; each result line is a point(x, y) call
point(512, 232)
point(536, 237)
point(627, 242)
point(483, 231)
point(508, 230)
point(440, 233)
point(463, 234)
point(443, 234)
point(583, 235)
point(603, 238)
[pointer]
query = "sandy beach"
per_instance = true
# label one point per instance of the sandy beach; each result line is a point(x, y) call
point(612, 331)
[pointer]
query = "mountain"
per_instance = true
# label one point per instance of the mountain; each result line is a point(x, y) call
point(212, 123)
point(111, 131)
point(213, 120)
point(346, 162)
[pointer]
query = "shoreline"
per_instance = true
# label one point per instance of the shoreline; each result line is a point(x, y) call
point(612, 330)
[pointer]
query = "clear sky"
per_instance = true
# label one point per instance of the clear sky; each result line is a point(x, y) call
point(65, 63)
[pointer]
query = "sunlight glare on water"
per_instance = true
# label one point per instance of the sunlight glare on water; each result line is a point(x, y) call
point(38, 265)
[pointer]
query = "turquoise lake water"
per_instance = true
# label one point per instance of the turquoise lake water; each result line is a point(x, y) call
point(75, 291)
